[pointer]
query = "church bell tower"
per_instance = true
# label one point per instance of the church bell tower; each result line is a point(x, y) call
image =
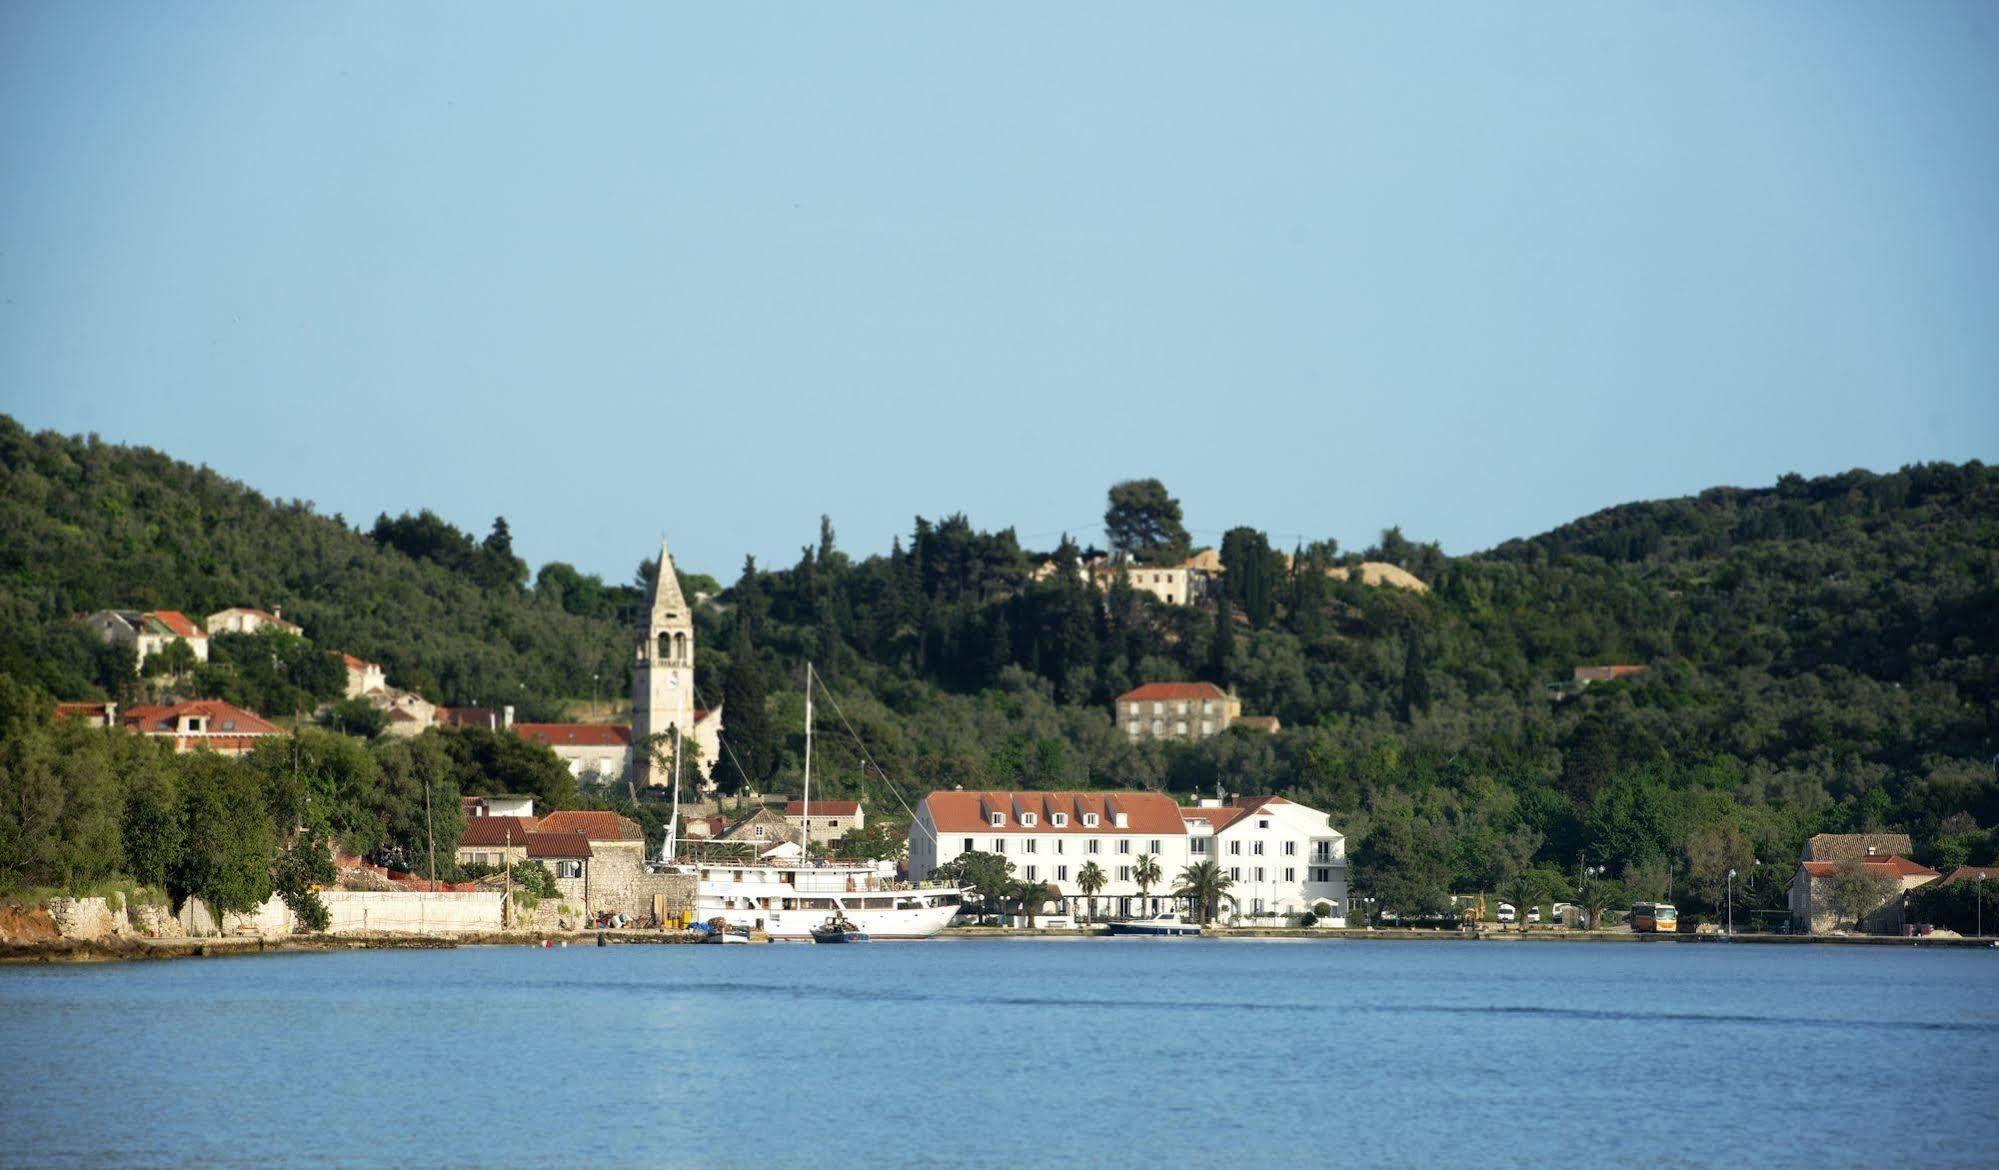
point(663, 675)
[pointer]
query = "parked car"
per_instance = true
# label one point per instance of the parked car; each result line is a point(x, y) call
point(1506, 913)
point(1533, 914)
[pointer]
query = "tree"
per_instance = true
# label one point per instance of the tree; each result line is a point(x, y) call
point(1222, 647)
point(1031, 896)
point(749, 759)
point(1251, 571)
point(1528, 887)
point(1143, 522)
point(227, 852)
point(1145, 871)
point(1859, 889)
point(1596, 897)
point(987, 875)
point(1091, 879)
point(1206, 888)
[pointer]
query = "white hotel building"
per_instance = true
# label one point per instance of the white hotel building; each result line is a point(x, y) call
point(1282, 857)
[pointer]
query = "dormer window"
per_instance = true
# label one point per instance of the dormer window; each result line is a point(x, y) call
point(1121, 820)
point(996, 819)
point(1059, 820)
point(1027, 819)
point(1089, 820)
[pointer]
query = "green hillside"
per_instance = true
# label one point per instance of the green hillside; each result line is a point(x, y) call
point(1820, 655)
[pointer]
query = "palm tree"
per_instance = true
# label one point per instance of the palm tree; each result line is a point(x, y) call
point(1145, 871)
point(1030, 897)
point(1090, 879)
point(1206, 886)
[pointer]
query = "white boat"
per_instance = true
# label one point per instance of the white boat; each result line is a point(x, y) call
point(786, 896)
point(1163, 925)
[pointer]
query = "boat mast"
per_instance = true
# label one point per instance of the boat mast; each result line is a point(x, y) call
point(805, 804)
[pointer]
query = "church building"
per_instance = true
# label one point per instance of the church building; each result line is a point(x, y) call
point(663, 702)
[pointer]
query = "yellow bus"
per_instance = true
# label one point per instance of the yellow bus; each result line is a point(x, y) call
point(1654, 918)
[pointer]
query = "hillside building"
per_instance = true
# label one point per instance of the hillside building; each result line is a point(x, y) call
point(245, 620)
point(1184, 711)
point(148, 633)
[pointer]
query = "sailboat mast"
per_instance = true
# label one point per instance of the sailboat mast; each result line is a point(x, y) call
point(805, 804)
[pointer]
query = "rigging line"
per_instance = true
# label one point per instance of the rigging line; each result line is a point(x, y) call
point(726, 746)
point(879, 770)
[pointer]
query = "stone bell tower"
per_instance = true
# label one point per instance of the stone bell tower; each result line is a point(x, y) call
point(663, 674)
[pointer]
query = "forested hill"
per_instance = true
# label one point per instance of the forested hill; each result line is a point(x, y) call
point(1820, 655)
point(91, 525)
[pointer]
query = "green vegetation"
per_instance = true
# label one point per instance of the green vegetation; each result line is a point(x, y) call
point(1821, 655)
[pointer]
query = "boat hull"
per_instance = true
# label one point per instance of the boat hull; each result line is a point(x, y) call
point(1156, 930)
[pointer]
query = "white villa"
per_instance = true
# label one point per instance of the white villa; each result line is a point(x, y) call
point(1283, 858)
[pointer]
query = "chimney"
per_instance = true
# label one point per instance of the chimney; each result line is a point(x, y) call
point(1870, 851)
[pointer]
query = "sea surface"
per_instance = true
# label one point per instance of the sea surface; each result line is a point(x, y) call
point(1110, 1053)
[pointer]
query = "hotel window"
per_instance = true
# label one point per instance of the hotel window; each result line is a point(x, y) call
point(1030, 846)
point(1197, 845)
point(1061, 873)
point(1256, 847)
point(1235, 873)
point(1291, 849)
point(1156, 850)
point(969, 846)
point(1322, 875)
point(1091, 847)
point(1058, 846)
point(1059, 820)
point(999, 844)
point(1263, 824)
point(1027, 819)
point(1235, 848)
point(996, 820)
point(1290, 875)
point(1032, 873)
point(1124, 873)
point(1124, 845)
point(1323, 851)
point(1259, 874)
point(1089, 820)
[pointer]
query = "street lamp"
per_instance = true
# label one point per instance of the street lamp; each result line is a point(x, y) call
point(1731, 903)
point(1978, 900)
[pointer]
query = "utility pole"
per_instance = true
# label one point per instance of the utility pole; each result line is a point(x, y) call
point(1731, 903)
point(429, 838)
point(507, 864)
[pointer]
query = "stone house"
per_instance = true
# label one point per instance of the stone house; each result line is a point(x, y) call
point(364, 678)
point(831, 819)
point(495, 840)
point(1187, 711)
point(149, 632)
point(1811, 893)
point(242, 619)
point(761, 829)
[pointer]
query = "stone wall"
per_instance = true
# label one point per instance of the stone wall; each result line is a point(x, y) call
point(619, 883)
point(412, 912)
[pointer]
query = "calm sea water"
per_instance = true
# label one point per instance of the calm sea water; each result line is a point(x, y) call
point(1003, 1053)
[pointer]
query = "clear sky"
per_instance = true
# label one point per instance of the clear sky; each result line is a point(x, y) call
point(610, 270)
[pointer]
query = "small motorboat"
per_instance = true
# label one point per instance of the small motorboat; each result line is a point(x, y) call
point(1167, 925)
point(838, 930)
point(718, 930)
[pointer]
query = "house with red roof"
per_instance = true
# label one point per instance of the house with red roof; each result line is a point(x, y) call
point(201, 725)
point(148, 632)
point(831, 819)
point(1820, 892)
point(1282, 858)
point(1176, 710)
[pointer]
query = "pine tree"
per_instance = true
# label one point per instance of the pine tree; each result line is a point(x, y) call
point(1222, 647)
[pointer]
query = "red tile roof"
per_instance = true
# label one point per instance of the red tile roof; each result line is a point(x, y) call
point(177, 622)
point(1217, 818)
point(593, 826)
point(1970, 873)
point(969, 812)
point(1893, 864)
point(94, 711)
point(576, 734)
point(222, 717)
point(824, 808)
point(497, 830)
point(1166, 692)
point(353, 663)
point(558, 845)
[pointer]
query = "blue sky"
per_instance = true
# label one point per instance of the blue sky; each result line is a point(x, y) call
point(609, 270)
